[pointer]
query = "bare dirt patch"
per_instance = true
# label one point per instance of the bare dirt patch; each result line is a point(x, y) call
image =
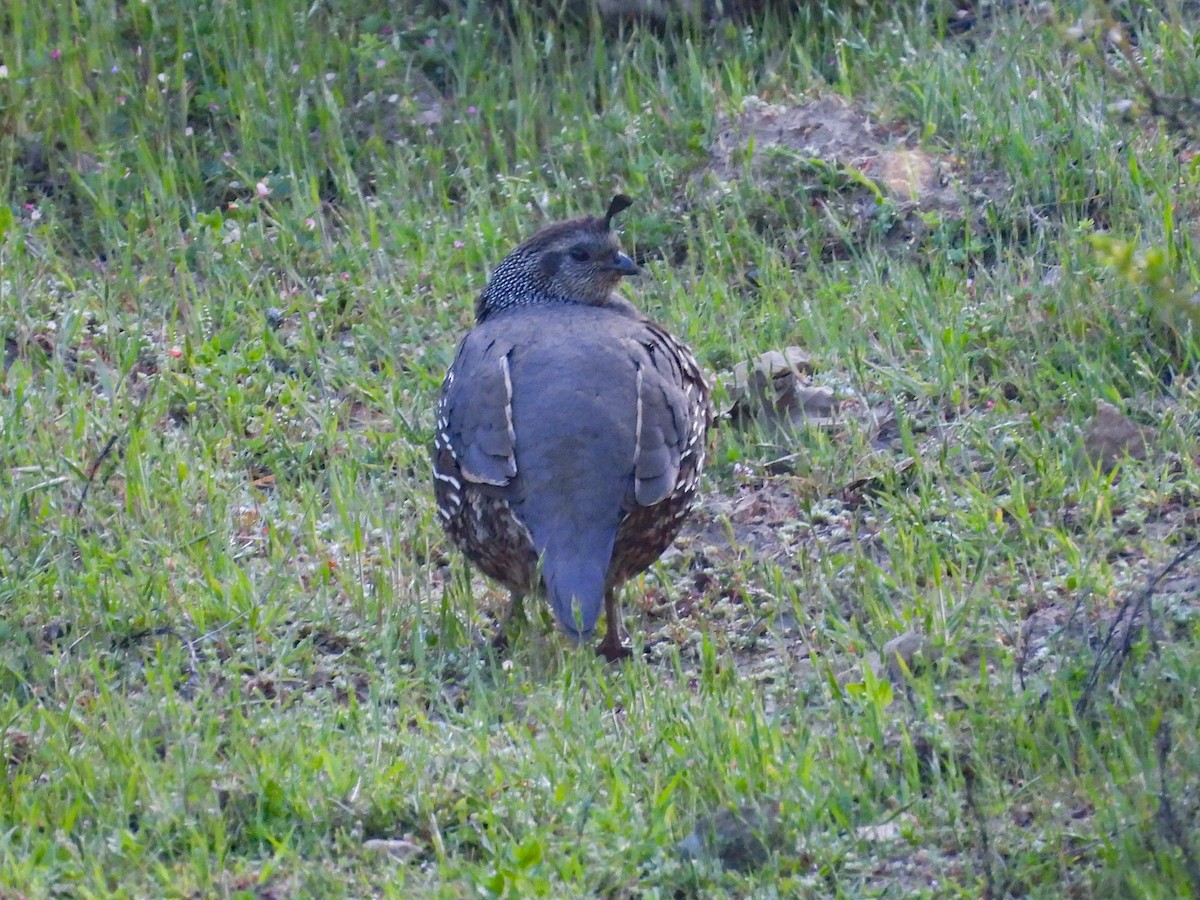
point(826, 172)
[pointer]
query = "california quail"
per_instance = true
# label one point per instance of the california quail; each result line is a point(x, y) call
point(571, 429)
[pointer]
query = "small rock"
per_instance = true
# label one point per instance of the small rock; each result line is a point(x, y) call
point(55, 632)
point(398, 849)
point(740, 839)
point(771, 389)
point(854, 674)
point(906, 653)
point(1110, 436)
point(1053, 276)
point(908, 174)
point(765, 368)
point(15, 746)
point(887, 831)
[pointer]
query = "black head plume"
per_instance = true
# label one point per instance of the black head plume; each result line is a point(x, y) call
point(619, 204)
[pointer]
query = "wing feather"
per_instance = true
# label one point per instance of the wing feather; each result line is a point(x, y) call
point(477, 410)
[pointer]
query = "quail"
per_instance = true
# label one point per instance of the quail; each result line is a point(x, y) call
point(571, 429)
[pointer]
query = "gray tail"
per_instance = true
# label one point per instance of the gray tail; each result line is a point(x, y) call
point(574, 571)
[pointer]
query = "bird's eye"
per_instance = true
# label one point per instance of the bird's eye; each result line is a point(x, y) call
point(579, 254)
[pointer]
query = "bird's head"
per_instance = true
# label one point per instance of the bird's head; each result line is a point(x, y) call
point(578, 261)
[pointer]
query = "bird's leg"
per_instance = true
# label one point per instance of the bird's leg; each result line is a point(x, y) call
point(611, 648)
point(512, 621)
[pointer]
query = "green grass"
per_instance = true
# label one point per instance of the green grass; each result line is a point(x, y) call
point(235, 646)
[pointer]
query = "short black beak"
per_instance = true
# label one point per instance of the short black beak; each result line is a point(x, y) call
point(623, 265)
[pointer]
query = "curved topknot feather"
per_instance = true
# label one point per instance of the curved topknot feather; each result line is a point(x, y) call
point(619, 204)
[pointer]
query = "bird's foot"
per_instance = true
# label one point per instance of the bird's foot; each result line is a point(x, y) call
point(510, 626)
point(613, 650)
point(500, 640)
